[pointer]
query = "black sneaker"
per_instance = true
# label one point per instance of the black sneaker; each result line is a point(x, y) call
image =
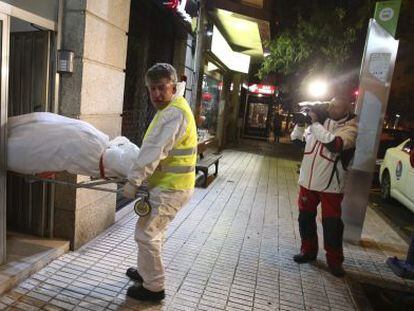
point(304, 258)
point(141, 293)
point(337, 271)
point(133, 274)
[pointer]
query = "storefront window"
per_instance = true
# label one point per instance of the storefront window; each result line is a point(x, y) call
point(210, 99)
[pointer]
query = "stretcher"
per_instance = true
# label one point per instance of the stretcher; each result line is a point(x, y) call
point(142, 206)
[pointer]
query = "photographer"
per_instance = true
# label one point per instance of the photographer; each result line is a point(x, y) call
point(330, 142)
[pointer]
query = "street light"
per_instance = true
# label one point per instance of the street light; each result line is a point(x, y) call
point(318, 88)
point(397, 119)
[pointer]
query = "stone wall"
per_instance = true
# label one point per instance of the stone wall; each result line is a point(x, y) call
point(96, 30)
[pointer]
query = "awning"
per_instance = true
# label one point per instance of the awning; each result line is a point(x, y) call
point(233, 60)
point(244, 34)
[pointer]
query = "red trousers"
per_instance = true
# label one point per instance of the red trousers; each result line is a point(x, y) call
point(333, 226)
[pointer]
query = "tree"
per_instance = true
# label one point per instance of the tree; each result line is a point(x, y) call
point(323, 40)
point(310, 45)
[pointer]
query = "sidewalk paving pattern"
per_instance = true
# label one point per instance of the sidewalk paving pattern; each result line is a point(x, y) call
point(230, 248)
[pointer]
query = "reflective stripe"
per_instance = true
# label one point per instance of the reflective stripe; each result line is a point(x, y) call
point(183, 152)
point(177, 169)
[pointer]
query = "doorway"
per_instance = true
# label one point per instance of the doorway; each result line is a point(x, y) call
point(28, 75)
point(151, 38)
point(28, 206)
point(257, 117)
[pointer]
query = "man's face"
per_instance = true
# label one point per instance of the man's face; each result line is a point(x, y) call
point(161, 92)
point(339, 109)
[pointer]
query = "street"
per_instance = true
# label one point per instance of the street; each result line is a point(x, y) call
point(394, 213)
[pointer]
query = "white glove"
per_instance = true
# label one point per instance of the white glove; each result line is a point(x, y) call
point(129, 191)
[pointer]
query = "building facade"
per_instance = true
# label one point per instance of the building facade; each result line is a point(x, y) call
point(226, 60)
point(114, 43)
point(32, 34)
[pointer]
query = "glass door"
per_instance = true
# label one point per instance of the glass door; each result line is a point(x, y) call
point(257, 117)
point(4, 63)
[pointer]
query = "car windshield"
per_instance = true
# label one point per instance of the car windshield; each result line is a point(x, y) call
point(391, 138)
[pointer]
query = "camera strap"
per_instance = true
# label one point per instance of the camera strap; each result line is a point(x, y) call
point(334, 173)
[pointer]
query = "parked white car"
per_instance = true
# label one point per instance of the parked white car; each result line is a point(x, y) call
point(397, 174)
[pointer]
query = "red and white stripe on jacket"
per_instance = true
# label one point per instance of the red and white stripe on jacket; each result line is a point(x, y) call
point(324, 143)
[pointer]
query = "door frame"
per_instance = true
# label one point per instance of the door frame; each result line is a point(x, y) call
point(4, 90)
point(6, 12)
point(27, 16)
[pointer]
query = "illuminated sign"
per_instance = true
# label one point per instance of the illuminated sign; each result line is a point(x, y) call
point(263, 89)
point(233, 60)
point(172, 4)
point(185, 8)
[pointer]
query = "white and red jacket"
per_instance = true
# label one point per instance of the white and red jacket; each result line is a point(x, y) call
point(327, 147)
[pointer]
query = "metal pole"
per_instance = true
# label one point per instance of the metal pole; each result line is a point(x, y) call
point(375, 83)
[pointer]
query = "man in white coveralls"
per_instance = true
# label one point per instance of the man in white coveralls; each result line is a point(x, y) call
point(167, 160)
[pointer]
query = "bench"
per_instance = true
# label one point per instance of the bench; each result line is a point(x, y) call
point(203, 165)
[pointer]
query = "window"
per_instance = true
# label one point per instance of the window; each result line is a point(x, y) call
point(210, 100)
point(408, 146)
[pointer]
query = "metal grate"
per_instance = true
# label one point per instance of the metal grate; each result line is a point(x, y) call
point(28, 205)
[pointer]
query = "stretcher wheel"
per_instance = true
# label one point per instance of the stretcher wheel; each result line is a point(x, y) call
point(142, 207)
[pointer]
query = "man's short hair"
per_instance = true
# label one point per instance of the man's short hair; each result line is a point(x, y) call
point(160, 71)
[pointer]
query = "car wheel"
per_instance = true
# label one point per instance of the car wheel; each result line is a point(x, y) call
point(386, 186)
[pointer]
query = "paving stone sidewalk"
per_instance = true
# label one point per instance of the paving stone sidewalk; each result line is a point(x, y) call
point(230, 248)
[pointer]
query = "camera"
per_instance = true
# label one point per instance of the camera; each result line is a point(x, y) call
point(320, 109)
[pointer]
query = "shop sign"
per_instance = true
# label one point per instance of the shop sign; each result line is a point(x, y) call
point(263, 89)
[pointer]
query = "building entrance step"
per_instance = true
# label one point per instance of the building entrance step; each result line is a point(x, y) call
point(26, 255)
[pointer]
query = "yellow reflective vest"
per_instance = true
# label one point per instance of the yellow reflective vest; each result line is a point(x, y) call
point(177, 170)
